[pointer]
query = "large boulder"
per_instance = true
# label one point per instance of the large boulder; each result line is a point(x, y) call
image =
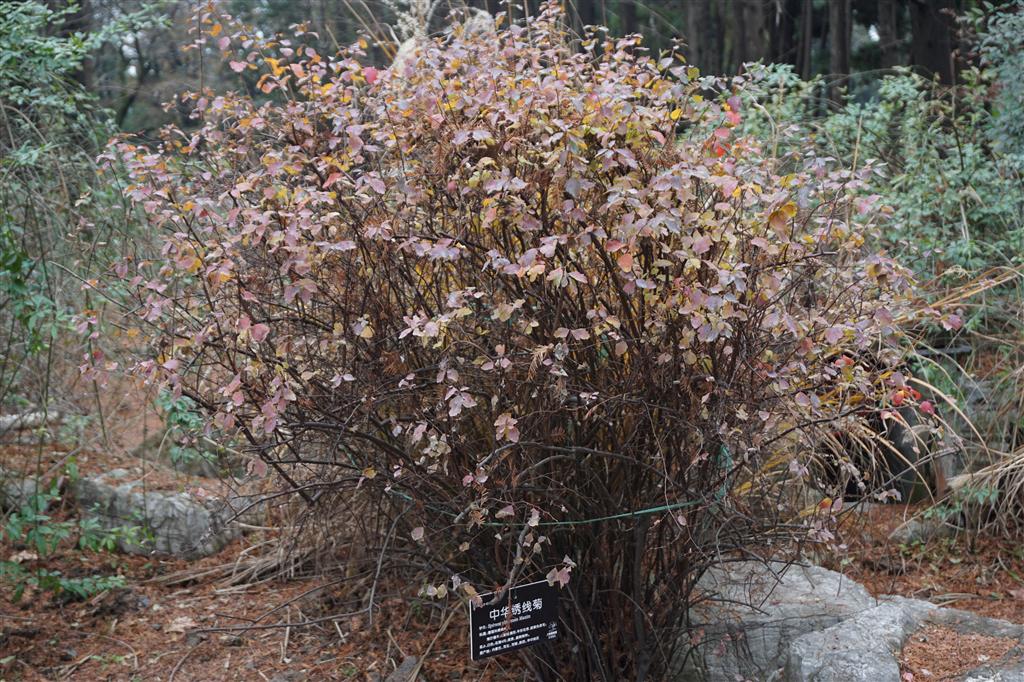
point(170, 523)
point(754, 611)
point(28, 421)
point(809, 624)
point(866, 648)
point(860, 648)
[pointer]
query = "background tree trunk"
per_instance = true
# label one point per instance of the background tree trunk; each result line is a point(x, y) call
point(840, 31)
point(806, 38)
point(782, 22)
point(931, 46)
point(627, 14)
point(705, 36)
point(888, 38)
point(586, 10)
point(755, 36)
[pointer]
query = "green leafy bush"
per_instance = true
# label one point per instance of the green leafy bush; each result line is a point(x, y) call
point(534, 313)
point(59, 227)
point(941, 160)
point(999, 37)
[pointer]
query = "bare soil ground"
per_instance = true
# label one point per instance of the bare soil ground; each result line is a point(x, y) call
point(159, 628)
point(969, 571)
point(940, 654)
point(156, 629)
point(166, 626)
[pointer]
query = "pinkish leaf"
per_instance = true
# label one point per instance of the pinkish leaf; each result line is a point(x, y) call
point(505, 428)
point(257, 467)
point(259, 332)
point(702, 244)
point(951, 322)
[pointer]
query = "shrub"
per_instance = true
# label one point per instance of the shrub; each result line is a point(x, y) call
point(947, 165)
point(545, 309)
point(58, 227)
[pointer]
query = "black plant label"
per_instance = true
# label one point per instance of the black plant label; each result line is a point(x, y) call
point(525, 616)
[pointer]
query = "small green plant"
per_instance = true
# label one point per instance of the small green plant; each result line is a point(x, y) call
point(967, 497)
point(109, 659)
point(31, 526)
point(184, 423)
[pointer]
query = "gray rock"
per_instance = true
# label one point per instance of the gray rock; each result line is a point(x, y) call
point(16, 489)
point(817, 626)
point(865, 648)
point(922, 530)
point(29, 420)
point(290, 676)
point(751, 618)
point(1013, 672)
point(920, 454)
point(860, 648)
point(172, 523)
point(405, 670)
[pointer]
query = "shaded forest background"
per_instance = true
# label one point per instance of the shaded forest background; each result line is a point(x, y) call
point(849, 42)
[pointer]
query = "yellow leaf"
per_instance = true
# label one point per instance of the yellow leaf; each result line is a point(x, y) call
point(676, 113)
point(275, 66)
point(215, 31)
